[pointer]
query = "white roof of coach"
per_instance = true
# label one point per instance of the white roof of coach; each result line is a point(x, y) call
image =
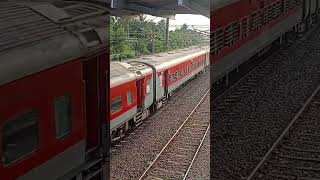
point(123, 72)
point(140, 68)
point(120, 73)
point(165, 60)
point(37, 35)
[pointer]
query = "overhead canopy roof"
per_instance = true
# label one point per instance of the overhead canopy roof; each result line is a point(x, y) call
point(163, 8)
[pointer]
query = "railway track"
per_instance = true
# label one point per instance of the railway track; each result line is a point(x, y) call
point(250, 115)
point(177, 156)
point(296, 153)
point(201, 166)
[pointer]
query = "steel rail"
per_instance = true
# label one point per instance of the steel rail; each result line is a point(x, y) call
point(195, 155)
point(265, 157)
point(174, 135)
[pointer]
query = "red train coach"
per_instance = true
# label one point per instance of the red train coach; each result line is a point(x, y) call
point(242, 28)
point(141, 86)
point(53, 62)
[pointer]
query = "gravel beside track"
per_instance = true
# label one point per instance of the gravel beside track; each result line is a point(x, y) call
point(131, 157)
point(201, 166)
point(296, 153)
point(249, 118)
point(177, 156)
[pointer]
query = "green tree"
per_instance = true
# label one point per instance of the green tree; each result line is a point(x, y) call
point(131, 37)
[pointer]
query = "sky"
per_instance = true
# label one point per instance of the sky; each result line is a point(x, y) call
point(189, 19)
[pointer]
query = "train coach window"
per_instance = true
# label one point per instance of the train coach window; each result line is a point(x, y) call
point(63, 116)
point(129, 98)
point(148, 87)
point(20, 137)
point(160, 80)
point(172, 77)
point(116, 104)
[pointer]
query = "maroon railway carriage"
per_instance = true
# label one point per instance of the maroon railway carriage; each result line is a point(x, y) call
point(241, 29)
point(53, 90)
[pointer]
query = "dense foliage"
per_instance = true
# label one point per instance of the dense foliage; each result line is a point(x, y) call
point(133, 37)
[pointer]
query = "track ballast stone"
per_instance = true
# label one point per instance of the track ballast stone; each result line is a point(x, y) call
point(243, 131)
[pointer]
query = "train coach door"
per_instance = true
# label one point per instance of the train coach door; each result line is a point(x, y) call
point(140, 94)
point(166, 84)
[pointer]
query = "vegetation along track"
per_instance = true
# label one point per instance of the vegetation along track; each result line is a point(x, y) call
point(177, 156)
point(296, 152)
point(249, 117)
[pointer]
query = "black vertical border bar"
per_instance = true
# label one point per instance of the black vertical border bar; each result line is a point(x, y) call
point(211, 88)
point(108, 100)
point(104, 99)
point(104, 74)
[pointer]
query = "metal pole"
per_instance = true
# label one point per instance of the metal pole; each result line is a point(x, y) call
point(167, 33)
